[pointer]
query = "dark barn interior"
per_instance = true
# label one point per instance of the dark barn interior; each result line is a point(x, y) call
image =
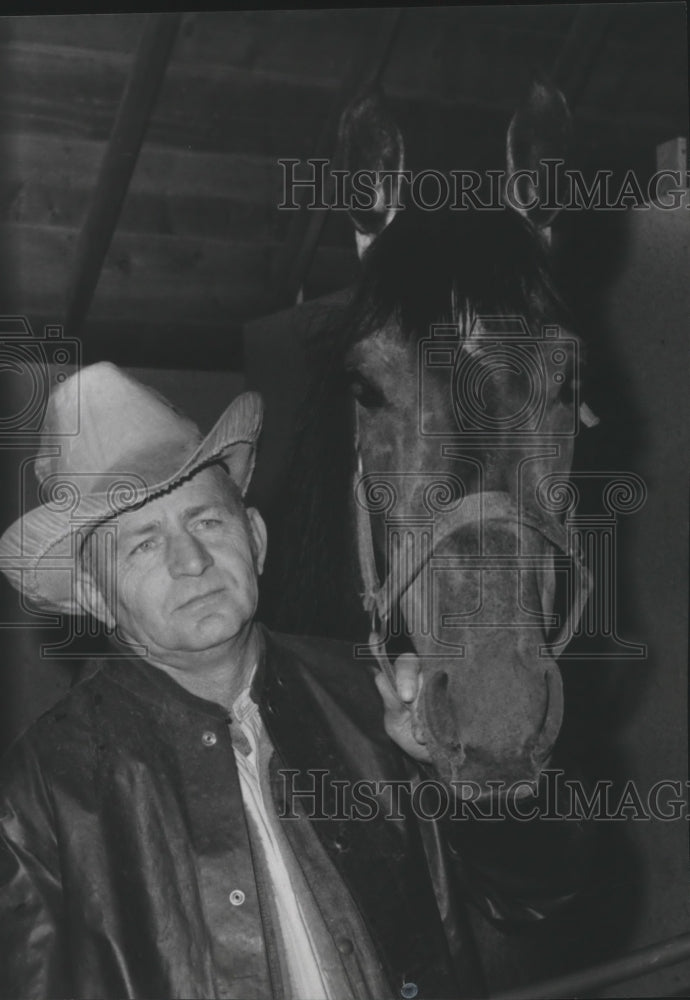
point(140, 188)
point(200, 246)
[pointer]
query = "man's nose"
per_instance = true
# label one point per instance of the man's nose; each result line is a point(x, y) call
point(187, 556)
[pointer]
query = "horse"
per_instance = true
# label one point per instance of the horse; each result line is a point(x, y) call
point(462, 368)
point(424, 511)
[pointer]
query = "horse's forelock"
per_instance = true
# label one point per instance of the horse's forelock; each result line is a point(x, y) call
point(431, 268)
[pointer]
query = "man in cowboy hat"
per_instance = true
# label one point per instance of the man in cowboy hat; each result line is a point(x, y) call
point(179, 825)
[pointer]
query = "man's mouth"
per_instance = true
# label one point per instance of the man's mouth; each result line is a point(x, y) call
point(199, 599)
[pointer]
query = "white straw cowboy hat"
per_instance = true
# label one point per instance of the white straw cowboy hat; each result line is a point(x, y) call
point(131, 445)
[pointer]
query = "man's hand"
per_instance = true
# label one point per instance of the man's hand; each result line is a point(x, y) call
point(401, 704)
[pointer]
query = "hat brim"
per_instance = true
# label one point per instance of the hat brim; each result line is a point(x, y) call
point(39, 553)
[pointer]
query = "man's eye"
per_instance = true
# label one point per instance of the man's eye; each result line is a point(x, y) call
point(209, 522)
point(144, 546)
point(365, 392)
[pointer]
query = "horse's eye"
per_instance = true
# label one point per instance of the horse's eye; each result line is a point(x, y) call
point(365, 392)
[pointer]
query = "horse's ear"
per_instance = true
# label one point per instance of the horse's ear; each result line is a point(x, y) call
point(369, 141)
point(541, 129)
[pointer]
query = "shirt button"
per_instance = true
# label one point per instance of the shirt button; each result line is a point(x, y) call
point(344, 946)
point(237, 897)
point(341, 843)
point(209, 739)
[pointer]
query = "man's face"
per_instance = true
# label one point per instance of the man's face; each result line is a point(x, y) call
point(187, 568)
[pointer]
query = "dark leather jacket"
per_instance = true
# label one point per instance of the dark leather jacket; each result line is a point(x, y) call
point(122, 834)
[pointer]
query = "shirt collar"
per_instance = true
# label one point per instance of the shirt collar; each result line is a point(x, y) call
point(244, 706)
point(153, 684)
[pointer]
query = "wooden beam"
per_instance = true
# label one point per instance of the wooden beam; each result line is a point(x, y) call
point(155, 278)
point(119, 160)
point(305, 230)
point(73, 94)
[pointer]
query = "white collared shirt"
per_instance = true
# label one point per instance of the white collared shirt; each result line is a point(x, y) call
point(307, 979)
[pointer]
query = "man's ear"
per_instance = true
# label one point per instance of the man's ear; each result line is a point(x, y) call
point(92, 601)
point(257, 526)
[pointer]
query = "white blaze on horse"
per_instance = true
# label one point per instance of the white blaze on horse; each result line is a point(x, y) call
point(464, 367)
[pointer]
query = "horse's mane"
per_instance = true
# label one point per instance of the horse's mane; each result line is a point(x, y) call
point(425, 268)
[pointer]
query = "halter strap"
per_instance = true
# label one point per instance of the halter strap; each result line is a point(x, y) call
point(379, 599)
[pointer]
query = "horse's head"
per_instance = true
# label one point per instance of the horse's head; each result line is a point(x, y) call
point(463, 366)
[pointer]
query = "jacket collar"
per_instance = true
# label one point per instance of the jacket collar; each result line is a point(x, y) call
point(152, 684)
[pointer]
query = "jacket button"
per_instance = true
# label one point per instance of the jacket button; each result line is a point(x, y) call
point(344, 946)
point(341, 843)
point(209, 739)
point(237, 897)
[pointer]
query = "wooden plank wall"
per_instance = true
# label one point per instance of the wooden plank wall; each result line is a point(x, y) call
point(193, 253)
point(197, 242)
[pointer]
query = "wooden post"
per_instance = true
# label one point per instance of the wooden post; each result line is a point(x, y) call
point(119, 160)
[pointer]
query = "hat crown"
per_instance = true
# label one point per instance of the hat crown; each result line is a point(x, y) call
point(117, 419)
point(109, 444)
